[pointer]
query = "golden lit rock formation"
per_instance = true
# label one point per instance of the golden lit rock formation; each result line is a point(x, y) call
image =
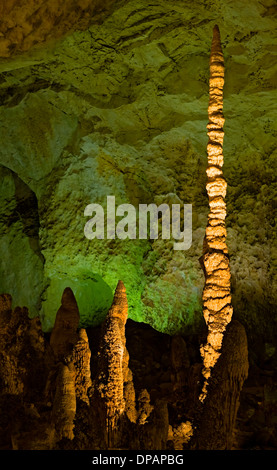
point(217, 308)
point(114, 386)
point(5, 309)
point(217, 424)
point(64, 406)
point(25, 23)
point(22, 351)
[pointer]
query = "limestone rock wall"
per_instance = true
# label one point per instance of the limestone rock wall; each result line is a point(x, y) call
point(120, 108)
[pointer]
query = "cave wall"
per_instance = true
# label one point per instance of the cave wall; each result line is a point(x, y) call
point(119, 107)
point(21, 265)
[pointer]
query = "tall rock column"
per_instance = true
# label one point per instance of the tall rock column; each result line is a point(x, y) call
point(64, 406)
point(216, 426)
point(217, 308)
point(114, 387)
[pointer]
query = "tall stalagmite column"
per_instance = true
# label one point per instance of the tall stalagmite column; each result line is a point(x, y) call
point(217, 308)
point(114, 386)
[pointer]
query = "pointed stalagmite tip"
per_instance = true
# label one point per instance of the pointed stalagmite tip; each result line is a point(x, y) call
point(216, 29)
point(119, 306)
point(120, 287)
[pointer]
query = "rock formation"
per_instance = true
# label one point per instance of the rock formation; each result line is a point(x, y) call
point(217, 308)
point(121, 110)
point(96, 401)
point(28, 23)
point(64, 406)
point(23, 374)
point(22, 351)
point(64, 334)
point(215, 429)
point(81, 356)
point(113, 385)
point(179, 361)
point(180, 435)
point(5, 309)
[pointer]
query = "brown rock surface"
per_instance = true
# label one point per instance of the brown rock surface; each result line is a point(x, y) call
point(161, 416)
point(179, 360)
point(23, 373)
point(81, 358)
point(64, 334)
point(26, 23)
point(22, 351)
point(113, 384)
point(216, 427)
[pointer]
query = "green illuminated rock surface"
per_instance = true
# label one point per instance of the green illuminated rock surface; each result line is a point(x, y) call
point(121, 109)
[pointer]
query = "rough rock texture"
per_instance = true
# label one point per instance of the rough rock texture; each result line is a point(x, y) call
point(21, 264)
point(64, 406)
point(120, 108)
point(216, 427)
point(217, 307)
point(26, 23)
point(64, 334)
point(81, 358)
point(180, 435)
point(113, 385)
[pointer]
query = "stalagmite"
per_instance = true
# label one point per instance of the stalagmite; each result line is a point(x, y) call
point(64, 334)
point(5, 309)
point(217, 308)
point(81, 359)
point(217, 424)
point(113, 371)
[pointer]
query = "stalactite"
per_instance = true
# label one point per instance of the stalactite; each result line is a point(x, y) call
point(217, 308)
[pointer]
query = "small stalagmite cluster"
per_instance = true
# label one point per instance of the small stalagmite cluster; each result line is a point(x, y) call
point(217, 308)
point(64, 392)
